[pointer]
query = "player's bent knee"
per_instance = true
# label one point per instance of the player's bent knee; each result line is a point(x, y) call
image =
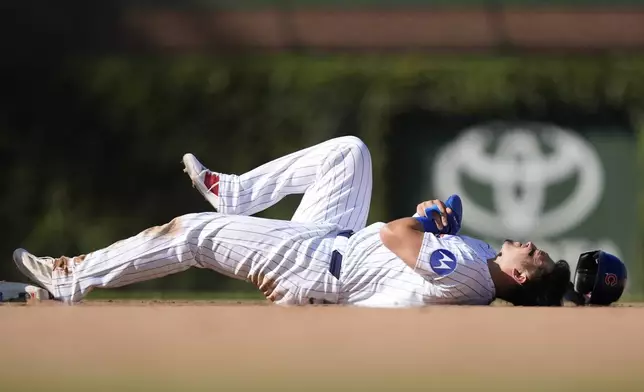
point(359, 150)
point(352, 142)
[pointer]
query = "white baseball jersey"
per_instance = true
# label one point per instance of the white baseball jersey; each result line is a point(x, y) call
point(449, 270)
point(293, 256)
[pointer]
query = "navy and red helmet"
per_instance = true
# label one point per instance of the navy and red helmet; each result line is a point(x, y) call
point(600, 277)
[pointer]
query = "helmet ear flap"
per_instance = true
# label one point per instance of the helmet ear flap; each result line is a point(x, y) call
point(586, 273)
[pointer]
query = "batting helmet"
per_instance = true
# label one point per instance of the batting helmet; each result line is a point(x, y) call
point(600, 277)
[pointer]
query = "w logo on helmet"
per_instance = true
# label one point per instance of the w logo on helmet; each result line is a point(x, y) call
point(610, 279)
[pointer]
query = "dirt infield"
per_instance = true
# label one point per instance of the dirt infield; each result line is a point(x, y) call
point(186, 346)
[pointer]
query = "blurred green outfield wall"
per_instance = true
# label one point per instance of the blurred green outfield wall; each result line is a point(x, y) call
point(103, 160)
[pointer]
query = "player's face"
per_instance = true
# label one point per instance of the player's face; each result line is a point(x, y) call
point(519, 253)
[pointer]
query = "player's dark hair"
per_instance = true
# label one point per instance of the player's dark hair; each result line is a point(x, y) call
point(546, 288)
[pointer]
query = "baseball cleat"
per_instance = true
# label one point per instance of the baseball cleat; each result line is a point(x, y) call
point(38, 269)
point(206, 181)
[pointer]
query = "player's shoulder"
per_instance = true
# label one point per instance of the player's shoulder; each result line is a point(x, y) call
point(479, 246)
point(459, 270)
point(468, 245)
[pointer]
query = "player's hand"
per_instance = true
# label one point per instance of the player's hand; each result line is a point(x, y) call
point(267, 286)
point(440, 216)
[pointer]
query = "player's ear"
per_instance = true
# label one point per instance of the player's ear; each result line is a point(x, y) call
point(518, 276)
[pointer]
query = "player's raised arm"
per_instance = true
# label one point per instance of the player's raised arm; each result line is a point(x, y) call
point(404, 237)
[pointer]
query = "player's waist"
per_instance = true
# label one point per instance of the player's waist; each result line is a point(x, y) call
point(340, 245)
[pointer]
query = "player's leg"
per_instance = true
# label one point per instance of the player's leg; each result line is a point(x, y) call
point(334, 176)
point(281, 257)
point(341, 192)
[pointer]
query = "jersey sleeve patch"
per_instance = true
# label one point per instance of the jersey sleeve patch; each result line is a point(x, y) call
point(442, 262)
point(434, 261)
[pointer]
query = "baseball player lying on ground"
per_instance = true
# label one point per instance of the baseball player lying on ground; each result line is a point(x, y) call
point(324, 254)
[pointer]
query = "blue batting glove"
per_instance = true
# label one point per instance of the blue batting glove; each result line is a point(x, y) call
point(454, 218)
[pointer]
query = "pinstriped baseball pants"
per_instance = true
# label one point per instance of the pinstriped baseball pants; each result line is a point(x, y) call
point(292, 256)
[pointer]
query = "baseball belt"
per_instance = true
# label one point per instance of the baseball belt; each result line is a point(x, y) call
point(336, 256)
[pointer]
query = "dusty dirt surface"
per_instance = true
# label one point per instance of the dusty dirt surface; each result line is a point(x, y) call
point(220, 346)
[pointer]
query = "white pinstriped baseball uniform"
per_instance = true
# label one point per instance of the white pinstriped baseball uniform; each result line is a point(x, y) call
point(335, 177)
point(374, 276)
